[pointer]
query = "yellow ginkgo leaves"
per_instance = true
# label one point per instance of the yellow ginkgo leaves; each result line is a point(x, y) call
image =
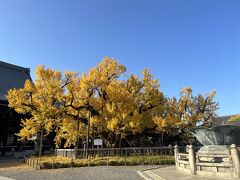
point(119, 104)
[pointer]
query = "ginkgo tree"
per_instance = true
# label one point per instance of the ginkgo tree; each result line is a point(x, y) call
point(107, 100)
point(129, 101)
point(38, 99)
point(85, 95)
point(186, 112)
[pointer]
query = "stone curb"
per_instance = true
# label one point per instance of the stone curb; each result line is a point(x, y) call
point(5, 178)
point(149, 175)
point(153, 174)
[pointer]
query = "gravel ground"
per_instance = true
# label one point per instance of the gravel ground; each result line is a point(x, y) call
point(23, 172)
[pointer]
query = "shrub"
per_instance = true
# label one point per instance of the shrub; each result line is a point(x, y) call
point(64, 162)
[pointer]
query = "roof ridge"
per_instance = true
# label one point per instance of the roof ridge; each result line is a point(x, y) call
point(15, 67)
point(19, 76)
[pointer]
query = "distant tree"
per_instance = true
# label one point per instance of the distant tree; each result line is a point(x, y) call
point(234, 118)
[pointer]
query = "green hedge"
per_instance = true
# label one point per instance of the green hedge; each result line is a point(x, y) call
point(64, 162)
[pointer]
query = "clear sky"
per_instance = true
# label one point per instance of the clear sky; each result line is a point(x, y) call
point(184, 42)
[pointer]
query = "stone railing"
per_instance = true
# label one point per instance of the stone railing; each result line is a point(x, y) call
point(215, 165)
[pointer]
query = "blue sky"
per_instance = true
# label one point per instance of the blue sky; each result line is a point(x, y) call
point(184, 42)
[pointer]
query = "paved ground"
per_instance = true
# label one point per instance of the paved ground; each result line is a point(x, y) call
point(83, 173)
point(9, 161)
point(170, 173)
point(12, 168)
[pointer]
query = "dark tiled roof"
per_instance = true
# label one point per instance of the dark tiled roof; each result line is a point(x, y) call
point(12, 76)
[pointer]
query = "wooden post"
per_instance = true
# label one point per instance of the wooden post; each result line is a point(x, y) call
point(33, 163)
point(171, 150)
point(71, 162)
point(125, 158)
point(36, 165)
point(235, 159)
point(52, 163)
point(142, 158)
point(88, 132)
point(191, 160)
point(93, 136)
point(176, 155)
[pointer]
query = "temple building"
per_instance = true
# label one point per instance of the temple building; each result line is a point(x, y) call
point(11, 76)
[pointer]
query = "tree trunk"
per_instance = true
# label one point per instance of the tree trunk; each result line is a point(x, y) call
point(120, 144)
point(93, 136)
point(101, 132)
point(77, 140)
point(88, 132)
point(162, 139)
point(41, 142)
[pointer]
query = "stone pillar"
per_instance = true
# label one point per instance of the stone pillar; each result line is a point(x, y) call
point(235, 159)
point(176, 155)
point(191, 160)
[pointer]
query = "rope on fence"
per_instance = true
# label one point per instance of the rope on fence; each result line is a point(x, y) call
point(132, 147)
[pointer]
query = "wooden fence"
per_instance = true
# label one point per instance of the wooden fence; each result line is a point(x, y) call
point(106, 152)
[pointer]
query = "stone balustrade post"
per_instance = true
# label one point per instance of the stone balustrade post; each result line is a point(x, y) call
point(235, 159)
point(191, 160)
point(176, 155)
